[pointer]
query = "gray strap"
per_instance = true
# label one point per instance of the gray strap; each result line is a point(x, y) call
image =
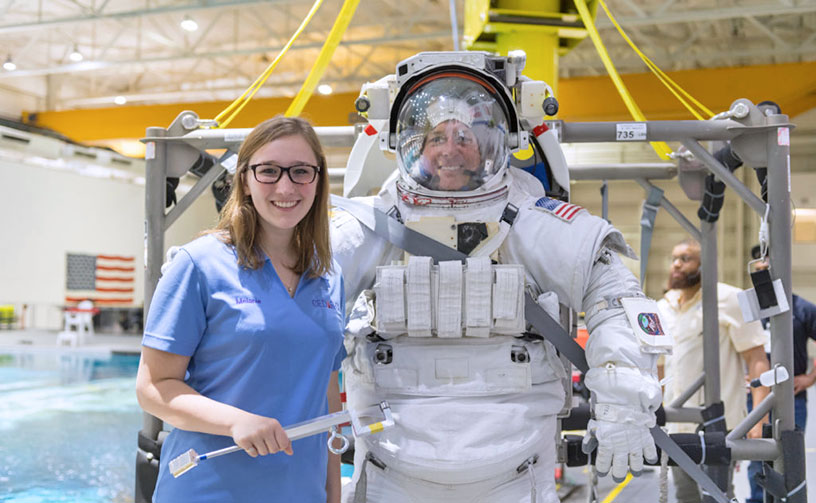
point(396, 233)
point(687, 464)
point(647, 220)
point(418, 244)
point(797, 488)
point(555, 333)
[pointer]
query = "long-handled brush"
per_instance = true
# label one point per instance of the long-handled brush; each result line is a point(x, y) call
point(190, 459)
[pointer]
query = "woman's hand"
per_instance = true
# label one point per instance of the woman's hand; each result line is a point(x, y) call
point(259, 435)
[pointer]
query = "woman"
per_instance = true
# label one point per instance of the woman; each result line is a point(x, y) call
point(245, 330)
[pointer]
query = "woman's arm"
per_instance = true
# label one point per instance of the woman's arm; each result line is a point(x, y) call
point(333, 469)
point(161, 391)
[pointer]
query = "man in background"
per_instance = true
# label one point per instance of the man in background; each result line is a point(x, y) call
point(741, 348)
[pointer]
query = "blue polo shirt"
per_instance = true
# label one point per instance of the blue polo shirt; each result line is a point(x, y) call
point(254, 347)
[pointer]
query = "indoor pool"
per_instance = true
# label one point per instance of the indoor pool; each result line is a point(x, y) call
point(68, 427)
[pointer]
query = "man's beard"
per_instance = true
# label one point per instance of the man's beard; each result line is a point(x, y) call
point(685, 281)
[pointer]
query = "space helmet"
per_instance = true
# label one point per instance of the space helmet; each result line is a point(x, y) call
point(451, 137)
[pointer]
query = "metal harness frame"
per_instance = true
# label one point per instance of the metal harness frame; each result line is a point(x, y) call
point(178, 146)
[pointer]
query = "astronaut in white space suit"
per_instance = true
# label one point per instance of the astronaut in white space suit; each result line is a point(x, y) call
point(475, 395)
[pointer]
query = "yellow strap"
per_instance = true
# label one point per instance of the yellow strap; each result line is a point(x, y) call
point(376, 427)
point(670, 84)
point(241, 102)
point(661, 148)
point(326, 53)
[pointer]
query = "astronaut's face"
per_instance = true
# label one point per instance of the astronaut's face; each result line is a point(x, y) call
point(451, 156)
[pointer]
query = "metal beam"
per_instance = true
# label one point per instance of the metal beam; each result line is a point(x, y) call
point(726, 176)
point(687, 58)
point(767, 31)
point(167, 9)
point(623, 171)
point(709, 15)
point(87, 66)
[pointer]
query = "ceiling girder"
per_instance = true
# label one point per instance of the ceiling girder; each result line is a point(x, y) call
point(87, 66)
point(142, 52)
point(98, 16)
point(706, 15)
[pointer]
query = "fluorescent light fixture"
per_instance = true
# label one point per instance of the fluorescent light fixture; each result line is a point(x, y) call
point(187, 24)
point(324, 89)
point(120, 100)
point(75, 55)
point(9, 65)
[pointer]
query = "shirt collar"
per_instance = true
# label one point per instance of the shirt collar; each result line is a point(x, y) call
point(673, 298)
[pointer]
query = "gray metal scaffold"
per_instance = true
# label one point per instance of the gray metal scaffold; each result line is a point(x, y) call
point(761, 140)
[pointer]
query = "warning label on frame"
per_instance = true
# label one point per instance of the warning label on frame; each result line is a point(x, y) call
point(783, 136)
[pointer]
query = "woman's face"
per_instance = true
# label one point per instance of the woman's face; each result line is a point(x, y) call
point(451, 155)
point(283, 204)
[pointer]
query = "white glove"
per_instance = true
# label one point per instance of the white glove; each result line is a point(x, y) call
point(621, 446)
point(626, 399)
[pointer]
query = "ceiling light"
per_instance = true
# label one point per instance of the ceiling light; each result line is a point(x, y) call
point(75, 55)
point(324, 89)
point(9, 64)
point(187, 24)
point(120, 100)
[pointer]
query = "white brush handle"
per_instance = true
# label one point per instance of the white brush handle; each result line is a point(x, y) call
point(219, 452)
point(295, 431)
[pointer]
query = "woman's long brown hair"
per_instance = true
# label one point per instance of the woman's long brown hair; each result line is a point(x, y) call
point(239, 222)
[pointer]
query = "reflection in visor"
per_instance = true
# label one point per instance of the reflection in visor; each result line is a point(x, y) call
point(451, 136)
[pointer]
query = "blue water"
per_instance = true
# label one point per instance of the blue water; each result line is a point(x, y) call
point(68, 427)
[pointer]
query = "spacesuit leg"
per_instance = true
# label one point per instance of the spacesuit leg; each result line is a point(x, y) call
point(543, 476)
point(387, 486)
point(376, 485)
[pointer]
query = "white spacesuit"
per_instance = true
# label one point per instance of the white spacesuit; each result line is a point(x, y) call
point(474, 394)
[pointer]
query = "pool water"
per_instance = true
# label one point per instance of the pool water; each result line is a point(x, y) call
point(68, 427)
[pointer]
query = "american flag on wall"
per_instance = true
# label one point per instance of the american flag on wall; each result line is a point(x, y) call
point(104, 279)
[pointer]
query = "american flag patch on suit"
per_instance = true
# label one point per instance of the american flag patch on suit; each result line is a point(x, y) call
point(104, 279)
point(563, 210)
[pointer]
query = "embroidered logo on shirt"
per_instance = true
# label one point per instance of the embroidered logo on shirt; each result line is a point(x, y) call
point(324, 303)
point(247, 300)
point(650, 323)
point(564, 211)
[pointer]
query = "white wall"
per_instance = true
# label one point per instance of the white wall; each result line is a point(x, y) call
point(14, 102)
point(47, 213)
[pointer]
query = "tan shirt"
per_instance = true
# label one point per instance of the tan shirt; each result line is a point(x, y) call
point(685, 363)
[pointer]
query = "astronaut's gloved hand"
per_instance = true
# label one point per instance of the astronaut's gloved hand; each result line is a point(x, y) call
point(171, 252)
point(621, 447)
point(625, 401)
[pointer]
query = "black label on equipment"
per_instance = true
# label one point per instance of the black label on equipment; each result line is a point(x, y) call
point(763, 285)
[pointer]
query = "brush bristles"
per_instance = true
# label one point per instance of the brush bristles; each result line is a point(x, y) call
point(183, 463)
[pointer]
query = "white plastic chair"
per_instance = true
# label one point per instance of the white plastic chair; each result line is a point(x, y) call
point(77, 324)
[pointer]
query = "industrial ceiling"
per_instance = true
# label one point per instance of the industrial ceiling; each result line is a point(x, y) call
point(72, 54)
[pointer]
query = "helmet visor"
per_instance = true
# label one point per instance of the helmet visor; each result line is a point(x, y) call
point(451, 135)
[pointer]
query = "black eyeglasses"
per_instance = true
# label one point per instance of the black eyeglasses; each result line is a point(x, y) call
point(301, 174)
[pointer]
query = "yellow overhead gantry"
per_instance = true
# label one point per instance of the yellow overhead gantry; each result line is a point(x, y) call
point(538, 27)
